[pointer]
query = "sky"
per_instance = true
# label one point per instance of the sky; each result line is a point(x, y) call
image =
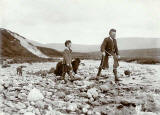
point(81, 21)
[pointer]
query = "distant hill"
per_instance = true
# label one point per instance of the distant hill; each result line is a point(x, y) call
point(75, 47)
point(50, 52)
point(134, 53)
point(14, 45)
point(150, 53)
point(123, 44)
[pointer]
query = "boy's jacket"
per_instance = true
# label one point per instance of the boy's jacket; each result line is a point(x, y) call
point(67, 56)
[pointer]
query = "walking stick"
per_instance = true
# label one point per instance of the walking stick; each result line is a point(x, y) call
point(100, 67)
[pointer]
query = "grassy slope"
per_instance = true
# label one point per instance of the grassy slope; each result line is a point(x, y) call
point(153, 52)
point(11, 47)
point(50, 52)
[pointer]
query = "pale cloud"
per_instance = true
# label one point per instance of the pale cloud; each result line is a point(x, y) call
point(82, 21)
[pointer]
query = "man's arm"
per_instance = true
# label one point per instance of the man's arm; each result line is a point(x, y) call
point(116, 48)
point(103, 46)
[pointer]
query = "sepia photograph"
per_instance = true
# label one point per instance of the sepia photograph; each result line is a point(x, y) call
point(79, 57)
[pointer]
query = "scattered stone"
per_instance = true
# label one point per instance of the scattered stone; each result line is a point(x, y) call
point(29, 113)
point(35, 95)
point(77, 77)
point(104, 88)
point(22, 96)
point(92, 93)
point(85, 110)
point(49, 93)
point(60, 94)
point(89, 112)
point(127, 72)
point(37, 111)
point(22, 111)
point(40, 104)
point(71, 107)
point(126, 103)
point(20, 105)
point(1, 88)
point(83, 94)
point(53, 112)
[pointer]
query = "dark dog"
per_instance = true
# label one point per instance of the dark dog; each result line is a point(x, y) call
point(75, 65)
point(59, 71)
point(19, 70)
point(59, 66)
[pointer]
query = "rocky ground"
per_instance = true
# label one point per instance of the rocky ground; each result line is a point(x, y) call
point(31, 94)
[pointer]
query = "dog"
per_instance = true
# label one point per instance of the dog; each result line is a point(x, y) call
point(19, 70)
point(75, 64)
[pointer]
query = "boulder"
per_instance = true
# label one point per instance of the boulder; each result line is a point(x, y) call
point(29, 113)
point(104, 88)
point(71, 107)
point(127, 72)
point(92, 93)
point(20, 105)
point(35, 95)
point(1, 88)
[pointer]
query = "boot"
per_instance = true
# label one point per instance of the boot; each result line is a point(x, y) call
point(62, 77)
point(115, 74)
point(116, 79)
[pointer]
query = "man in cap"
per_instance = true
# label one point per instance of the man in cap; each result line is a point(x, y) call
point(109, 48)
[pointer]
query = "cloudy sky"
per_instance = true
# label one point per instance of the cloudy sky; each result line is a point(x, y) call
point(82, 21)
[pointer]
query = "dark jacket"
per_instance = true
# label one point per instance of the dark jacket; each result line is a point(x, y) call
point(110, 46)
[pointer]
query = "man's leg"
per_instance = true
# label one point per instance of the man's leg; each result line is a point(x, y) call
point(115, 65)
point(103, 64)
point(115, 74)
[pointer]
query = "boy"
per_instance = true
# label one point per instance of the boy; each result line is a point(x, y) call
point(67, 60)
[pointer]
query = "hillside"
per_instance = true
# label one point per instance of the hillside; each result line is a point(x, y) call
point(131, 43)
point(152, 52)
point(50, 52)
point(11, 46)
point(75, 47)
point(14, 45)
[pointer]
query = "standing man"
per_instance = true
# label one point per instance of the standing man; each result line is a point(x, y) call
point(109, 48)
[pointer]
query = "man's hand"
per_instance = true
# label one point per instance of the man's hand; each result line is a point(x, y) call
point(103, 53)
point(118, 56)
point(70, 65)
